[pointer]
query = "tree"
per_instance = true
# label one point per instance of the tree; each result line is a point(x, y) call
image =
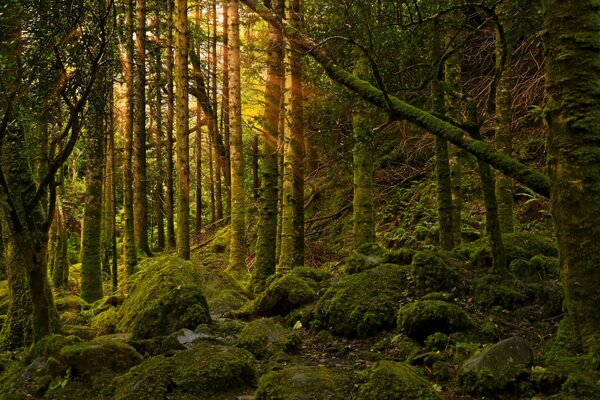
point(182, 127)
point(140, 202)
point(573, 60)
point(169, 130)
point(266, 256)
point(237, 246)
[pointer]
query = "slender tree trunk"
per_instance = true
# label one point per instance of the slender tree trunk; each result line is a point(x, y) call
point(292, 233)
point(255, 177)
point(499, 265)
point(573, 72)
point(182, 136)
point(504, 184)
point(91, 259)
point(237, 246)
point(266, 256)
point(213, 213)
point(198, 169)
point(140, 203)
point(363, 207)
point(129, 251)
point(169, 130)
point(112, 197)
point(224, 159)
point(159, 213)
point(442, 166)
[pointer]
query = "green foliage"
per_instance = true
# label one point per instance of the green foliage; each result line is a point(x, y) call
point(105, 322)
point(423, 318)
point(303, 383)
point(493, 290)
point(363, 304)
point(434, 271)
point(396, 381)
point(372, 255)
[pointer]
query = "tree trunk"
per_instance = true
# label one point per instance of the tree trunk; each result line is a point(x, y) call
point(362, 203)
point(223, 163)
point(169, 130)
point(266, 256)
point(159, 213)
point(573, 62)
point(129, 251)
point(140, 206)
point(182, 127)
point(237, 246)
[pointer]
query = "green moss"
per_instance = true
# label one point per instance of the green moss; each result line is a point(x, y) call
point(71, 303)
point(406, 348)
point(4, 299)
point(434, 271)
point(264, 337)
point(516, 245)
point(303, 383)
point(88, 358)
point(199, 373)
point(495, 290)
point(393, 380)
point(372, 255)
point(423, 318)
point(105, 322)
point(165, 297)
point(363, 304)
point(287, 292)
point(157, 345)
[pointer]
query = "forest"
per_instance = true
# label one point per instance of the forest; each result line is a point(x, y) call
point(300, 199)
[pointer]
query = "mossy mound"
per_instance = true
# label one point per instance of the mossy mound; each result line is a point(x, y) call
point(200, 373)
point(71, 303)
point(433, 271)
point(105, 323)
point(363, 304)
point(107, 302)
point(223, 293)
point(516, 245)
point(165, 296)
point(423, 318)
point(492, 290)
point(89, 358)
point(496, 366)
point(396, 381)
point(287, 292)
point(304, 383)
point(372, 255)
point(265, 337)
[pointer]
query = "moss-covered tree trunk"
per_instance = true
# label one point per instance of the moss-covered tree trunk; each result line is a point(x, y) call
point(91, 258)
point(266, 257)
point(237, 246)
point(158, 193)
point(292, 231)
point(129, 252)
point(504, 184)
point(140, 202)
point(362, 155)
point(492, 221)
point(442, 165)
point(170, 182)
point(572, 84)
point(220, 162)
point(182, 136)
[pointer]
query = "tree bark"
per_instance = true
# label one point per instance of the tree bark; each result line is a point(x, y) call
point(169, 130)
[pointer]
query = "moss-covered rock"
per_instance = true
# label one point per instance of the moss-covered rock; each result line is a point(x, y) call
point(107, 302)
point(287, 292)
point(71, 303)
point(363, 304)
point(89, 358)
point(304, 383)
point(433, 271)
point(165, 296)
point(372, 255)
point(496, 366)
point(492, 290)
point(396, 381)
point(105, 323)
point(423, 318)
point(157, 345)
point(517, 246)
point(265, 337)
point(200, 373)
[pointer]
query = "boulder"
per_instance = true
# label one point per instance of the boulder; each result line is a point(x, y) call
point(201, 372)
point(165, 296)
point(304, 383)
point(363, 304)
point(433, 271)
point(265, 337)
point(287, 292)
point(496, 366)
point(423, 318)
point(396, 381)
